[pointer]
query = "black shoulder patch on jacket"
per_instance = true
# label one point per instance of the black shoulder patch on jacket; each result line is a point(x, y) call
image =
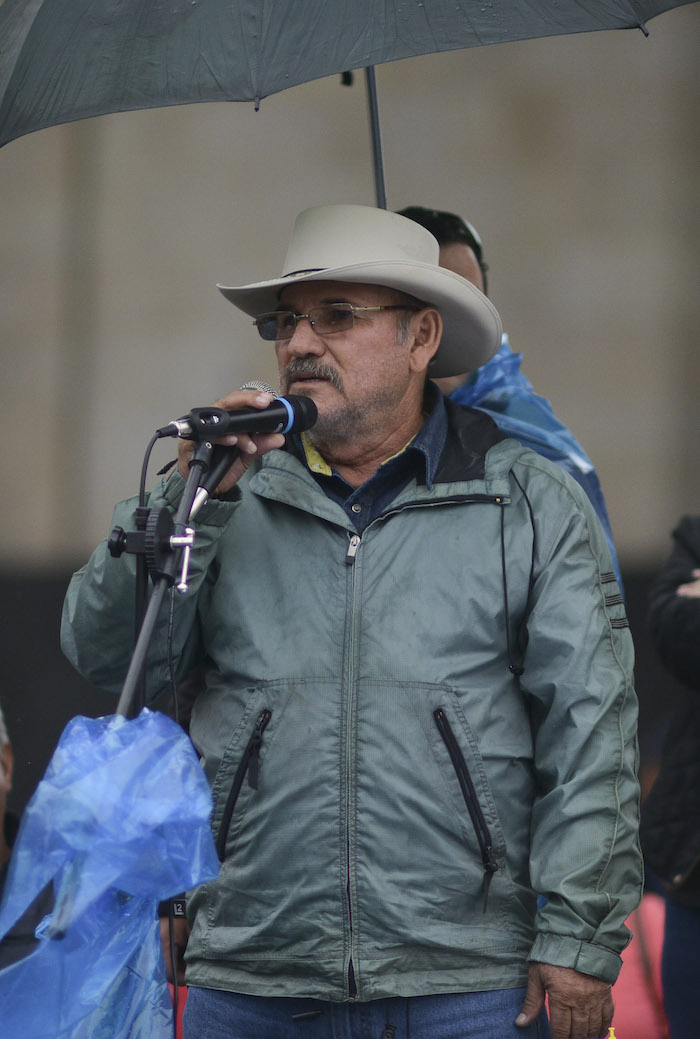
point(470, 434)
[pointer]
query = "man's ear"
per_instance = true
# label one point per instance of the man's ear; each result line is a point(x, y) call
point(426, 327)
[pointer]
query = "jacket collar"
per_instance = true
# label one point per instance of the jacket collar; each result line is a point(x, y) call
point(470, 435)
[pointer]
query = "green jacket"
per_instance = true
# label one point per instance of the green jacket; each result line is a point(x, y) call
point(390, 793)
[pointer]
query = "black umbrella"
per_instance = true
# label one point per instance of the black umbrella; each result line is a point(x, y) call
point(61, 62)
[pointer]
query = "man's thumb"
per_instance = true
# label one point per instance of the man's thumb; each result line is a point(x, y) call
point(534, 999)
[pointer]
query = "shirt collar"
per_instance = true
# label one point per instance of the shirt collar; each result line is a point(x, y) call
point(430, 438)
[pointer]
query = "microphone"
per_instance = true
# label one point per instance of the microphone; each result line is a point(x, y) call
point(291, 414)
point(222, 457)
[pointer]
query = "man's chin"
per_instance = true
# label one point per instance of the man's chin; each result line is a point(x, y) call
point(329, 402)
point(333, 424)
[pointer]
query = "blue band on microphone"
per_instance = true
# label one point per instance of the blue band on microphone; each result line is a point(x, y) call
point(290, 413)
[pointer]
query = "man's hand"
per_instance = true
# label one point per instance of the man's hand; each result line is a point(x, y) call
point(580, 1006)
point(181, 934)
point(250, 447)
point(691, 590)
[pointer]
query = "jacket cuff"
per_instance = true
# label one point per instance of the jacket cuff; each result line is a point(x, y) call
point(585, 957)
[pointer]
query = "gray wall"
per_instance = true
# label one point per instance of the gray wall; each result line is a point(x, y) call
point(576, 157)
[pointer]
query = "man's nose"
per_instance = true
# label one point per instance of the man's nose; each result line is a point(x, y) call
point(304, 341)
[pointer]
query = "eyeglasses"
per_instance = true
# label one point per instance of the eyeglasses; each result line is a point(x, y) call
point(329, 318)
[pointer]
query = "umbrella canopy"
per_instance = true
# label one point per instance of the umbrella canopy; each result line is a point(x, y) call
point(60, 62)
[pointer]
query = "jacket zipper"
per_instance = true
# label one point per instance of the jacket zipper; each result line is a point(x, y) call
point(460, 765)
point(471, 800)
point(250, 763)
point(350, 556)
point(454, 499)
point(460, 499)
point(353, 546)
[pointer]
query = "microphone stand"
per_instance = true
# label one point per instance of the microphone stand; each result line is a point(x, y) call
point(157, 537)
point(161, 543)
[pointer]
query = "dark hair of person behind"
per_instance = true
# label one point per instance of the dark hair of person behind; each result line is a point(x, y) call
point(449, 229)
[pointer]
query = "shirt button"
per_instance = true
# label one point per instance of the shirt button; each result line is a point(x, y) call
point(356, 508)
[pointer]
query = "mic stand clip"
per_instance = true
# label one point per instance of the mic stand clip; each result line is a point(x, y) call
point(158, 538)
point(156, 541)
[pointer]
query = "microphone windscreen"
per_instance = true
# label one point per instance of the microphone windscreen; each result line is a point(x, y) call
point(258, 384)
point(303, 408)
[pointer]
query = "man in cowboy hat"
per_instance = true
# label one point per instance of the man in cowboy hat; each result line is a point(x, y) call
point(418, 711)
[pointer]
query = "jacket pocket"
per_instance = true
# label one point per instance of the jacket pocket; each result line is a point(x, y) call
point(466, 783)
point(248, 765)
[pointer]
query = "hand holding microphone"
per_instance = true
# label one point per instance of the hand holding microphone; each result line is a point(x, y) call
point(243, 425)
point(281, 415)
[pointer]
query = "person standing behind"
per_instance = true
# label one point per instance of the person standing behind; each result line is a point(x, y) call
point(671, 812)
point(499, 387)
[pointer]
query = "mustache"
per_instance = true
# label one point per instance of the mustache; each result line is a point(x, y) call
point(308, 366)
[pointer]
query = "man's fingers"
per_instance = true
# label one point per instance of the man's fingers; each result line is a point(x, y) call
point(250, 449)
point(244, 399)
point(533, 1002)
point(586, 1024)
point(580, 1006)
point(608, 1010)
point(259, 443)
point(690, 591)
point(569, 1023)
point(249, 446)
point(561, 1020)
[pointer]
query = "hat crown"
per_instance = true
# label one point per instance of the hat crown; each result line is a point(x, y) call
point(366, 246)
point(327, 237)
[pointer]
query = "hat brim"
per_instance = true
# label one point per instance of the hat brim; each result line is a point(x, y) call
point(472, 328)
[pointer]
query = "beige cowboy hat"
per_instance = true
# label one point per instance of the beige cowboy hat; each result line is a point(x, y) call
point(377, 247)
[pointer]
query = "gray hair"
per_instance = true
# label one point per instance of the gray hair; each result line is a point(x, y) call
point(403, 319)
point(4, 738)
point(403, 326)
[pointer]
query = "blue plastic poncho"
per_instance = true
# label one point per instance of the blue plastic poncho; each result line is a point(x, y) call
point(120, 821)
point(501, 390)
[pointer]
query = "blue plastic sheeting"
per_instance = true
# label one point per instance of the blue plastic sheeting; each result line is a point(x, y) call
point(501, 390)
point(120, 821)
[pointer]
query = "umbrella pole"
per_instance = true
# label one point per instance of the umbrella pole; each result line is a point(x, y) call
point(380, 185)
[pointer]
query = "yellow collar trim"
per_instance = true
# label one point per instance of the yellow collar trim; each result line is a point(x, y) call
point(317, 463)
point(314, 459)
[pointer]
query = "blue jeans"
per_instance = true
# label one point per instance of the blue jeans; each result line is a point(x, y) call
point(680, 969)
point(210, 1014)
